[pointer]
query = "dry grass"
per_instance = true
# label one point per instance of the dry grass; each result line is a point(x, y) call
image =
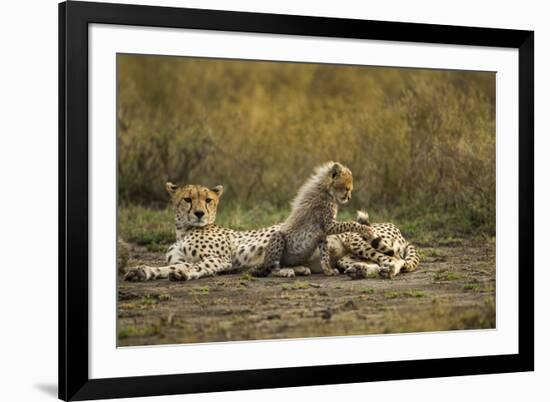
point(422, 139)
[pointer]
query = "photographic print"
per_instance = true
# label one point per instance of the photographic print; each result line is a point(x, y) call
point(278, 200)
point(257, 200)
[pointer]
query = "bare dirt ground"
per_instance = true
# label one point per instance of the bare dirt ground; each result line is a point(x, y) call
point(454, 288)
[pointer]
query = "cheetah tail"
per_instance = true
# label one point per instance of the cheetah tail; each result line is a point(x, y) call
point(363, 218)
point(377, 243)
point(412, 259)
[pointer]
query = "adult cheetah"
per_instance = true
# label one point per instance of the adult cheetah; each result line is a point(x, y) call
point(203, 248)
point(360, 259)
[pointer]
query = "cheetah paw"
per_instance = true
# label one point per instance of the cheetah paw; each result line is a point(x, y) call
point(182, 274)
point(387, 272)
point(363, 271)
point(138, 274)
point(286, 273)
point(302, 271)
point(390, 270)
point(331, 272)
point(355, 273)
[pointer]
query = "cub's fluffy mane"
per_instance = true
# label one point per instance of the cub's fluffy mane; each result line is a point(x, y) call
point(313, 187)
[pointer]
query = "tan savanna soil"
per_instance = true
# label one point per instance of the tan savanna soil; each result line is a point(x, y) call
point(454, 288)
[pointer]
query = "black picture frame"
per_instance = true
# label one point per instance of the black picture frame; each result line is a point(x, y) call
point(74, 18)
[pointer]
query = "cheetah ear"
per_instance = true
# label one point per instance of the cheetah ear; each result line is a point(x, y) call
point(335, 170)
point(218, 190)
point(170, 188)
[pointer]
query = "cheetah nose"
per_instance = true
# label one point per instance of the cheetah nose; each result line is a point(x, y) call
point(199, 214)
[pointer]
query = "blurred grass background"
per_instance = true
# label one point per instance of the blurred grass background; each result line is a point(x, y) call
point(420, 143)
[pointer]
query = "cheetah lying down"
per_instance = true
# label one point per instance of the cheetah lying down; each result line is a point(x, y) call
point(205, 249)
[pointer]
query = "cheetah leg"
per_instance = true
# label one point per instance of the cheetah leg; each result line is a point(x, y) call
point(273, 254)
point(291, 272)
point(334, 227)
point(390, 266)
point(209, 266)
point(366, 232)
point(302, 271)
point(325, 259)
point(357, 268)
point(143, 273)
point(174, 254)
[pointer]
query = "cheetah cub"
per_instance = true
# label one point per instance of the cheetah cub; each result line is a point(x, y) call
point(311, 220)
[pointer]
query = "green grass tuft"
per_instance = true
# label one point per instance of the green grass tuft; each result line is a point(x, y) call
point(246, 276)
point(296, 285)
point(446, 276)
point(471, 287)
point(405, 294)
point(368, 291)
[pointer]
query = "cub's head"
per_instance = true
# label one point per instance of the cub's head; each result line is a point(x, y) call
point(194, 205)
point(340, 182)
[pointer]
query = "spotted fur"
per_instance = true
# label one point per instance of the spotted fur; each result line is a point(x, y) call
point(203, 248)
point(362, 260)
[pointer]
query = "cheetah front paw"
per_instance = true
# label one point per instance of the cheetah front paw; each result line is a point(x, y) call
point(331, 272)
point(284, 273)
point(302, 271)
point(139, 274)
point(182, 274)
point(387, 272)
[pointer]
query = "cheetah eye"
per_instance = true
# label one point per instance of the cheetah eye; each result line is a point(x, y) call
point(208, 200)
point(187, 199)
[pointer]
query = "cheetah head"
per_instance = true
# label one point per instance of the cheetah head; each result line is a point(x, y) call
point(194, 205)
point(340, 183)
